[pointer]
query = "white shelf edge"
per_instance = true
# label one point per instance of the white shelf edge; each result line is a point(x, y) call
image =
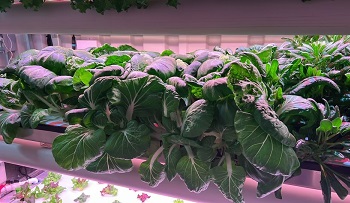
point(206, 17)
point(30, 154)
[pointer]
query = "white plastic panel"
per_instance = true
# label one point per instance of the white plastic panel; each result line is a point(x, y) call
point(191, 17)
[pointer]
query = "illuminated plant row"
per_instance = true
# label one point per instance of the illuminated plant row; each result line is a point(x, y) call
point(210, 115)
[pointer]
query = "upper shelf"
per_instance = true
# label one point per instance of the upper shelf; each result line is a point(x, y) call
point(286, 17)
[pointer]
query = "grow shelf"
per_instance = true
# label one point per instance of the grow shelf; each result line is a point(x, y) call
point(31, 154)
point(46, 133)
point(191, 17)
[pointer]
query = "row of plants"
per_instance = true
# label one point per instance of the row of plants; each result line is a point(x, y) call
point(82, 6)
point(51, 190)
point(213, 115)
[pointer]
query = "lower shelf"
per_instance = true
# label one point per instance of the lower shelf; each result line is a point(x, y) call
point(30, 154)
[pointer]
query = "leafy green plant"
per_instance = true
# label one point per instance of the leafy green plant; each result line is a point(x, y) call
point(215, 116)
point(80, 183)
point(23, 193)
point(82, 198)
point(109, 190)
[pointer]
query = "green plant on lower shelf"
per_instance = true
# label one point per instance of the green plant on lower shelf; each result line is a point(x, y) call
point(109, 190)
point(80, 183)
point(23, 193)
point(82, 198)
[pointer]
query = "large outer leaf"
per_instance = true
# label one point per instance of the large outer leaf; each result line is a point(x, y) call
point(164, 67)
point(129, 143)
point(267, 183)
point(242, 71)
point(268, 120)
point(194, 172)
point(303, 86)
point(36, 76)
point(296, 106)
point(210, 65)
point(113, 70)
point(152, 172)
point(230, 180)
point(108, 164)
point(60, 84)
point(24, 59)
point(180, 85)
point(140, 61)
point(263, 150)
point(138, 96)
point(216, 89)
point(198, 118)
point(9, 125)
point(78, 147)
point(96, 93)
point(54, 58)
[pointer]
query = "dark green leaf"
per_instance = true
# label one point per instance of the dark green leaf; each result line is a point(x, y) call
point(171, 101)
point(130, 142)
point(113, 70)
point(194, 172)
point(78, 147)
point(108, 164)
point(172, 156)
point(9, 125)
point(268, 120)
point(164, 67)
point(263, 150)
point(180, 85)
point(294, 107)
point(96, 93)
point(192, 69)
point(303, 86)
point(36, 76)
point(60, 84)
point(267, 183)
point(75, 116)
point(209, 66)
point(152, 172)
point(138, 96)
point(38, 116)
point(198, 118)
point(230, 180)
point(177, 139)
point(326, 188)
point(54, 58)
point(216, 89)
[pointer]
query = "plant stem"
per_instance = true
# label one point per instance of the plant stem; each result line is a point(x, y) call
point(11, 110)
point(228, 164)
point(221, 160)
point(155, 156)
point(189, 152)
